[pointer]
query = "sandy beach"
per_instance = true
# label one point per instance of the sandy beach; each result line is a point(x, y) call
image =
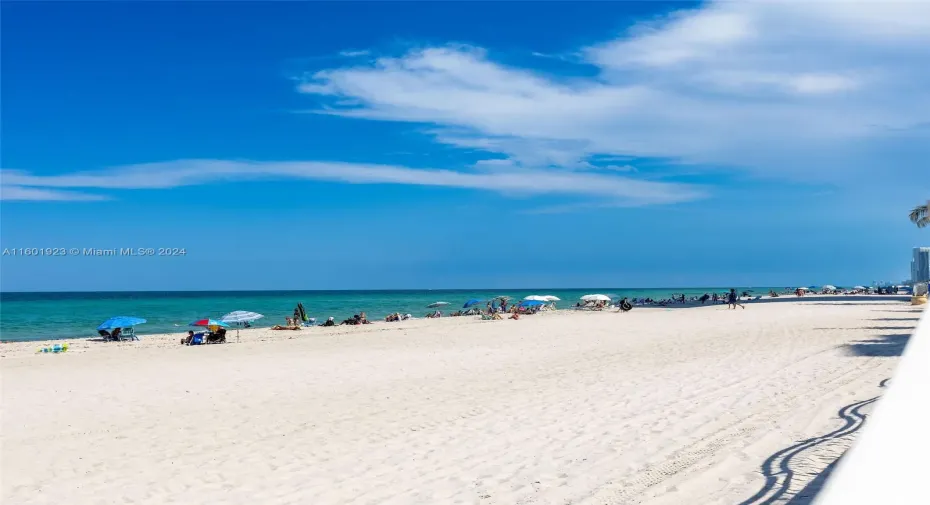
point(657, 406)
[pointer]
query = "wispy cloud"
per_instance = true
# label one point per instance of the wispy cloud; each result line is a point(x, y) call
point(198, 172)
point(811, 91)
point(801, 90)
point(354, 54)
point(12, 193)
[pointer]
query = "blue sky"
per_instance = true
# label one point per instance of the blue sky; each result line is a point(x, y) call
point(435, 145)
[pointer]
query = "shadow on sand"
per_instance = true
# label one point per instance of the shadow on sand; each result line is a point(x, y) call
point(778, 471)
point(888, 328)
point(881, 346)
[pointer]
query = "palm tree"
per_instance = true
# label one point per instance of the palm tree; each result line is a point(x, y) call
point(921, 215)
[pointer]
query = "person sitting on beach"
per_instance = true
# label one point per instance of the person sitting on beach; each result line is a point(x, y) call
point(219, 337)
point(329, 322)
point(104, 333)
point(515, 315)
point(187, 340)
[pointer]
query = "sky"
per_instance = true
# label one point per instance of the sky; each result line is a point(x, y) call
point(351, 145)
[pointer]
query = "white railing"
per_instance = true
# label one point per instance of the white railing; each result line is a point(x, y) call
point(888, 464)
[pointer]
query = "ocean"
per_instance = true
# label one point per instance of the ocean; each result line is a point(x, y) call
point(41, 316)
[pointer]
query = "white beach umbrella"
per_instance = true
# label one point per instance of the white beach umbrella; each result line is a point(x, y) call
point(859, 287)
point(536, 298)
point(551, 298)
point(241, 316)
point(802, 288)
point(829, 287)
point(595, 298)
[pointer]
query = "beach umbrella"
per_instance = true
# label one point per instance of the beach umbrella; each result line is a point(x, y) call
point(241, 316)
point(471, 303)
point(859, 287)
point(120, 322)
point(829, 287)
point(551, 298)
point(209, 322)
point(436, 304)
point(535, 298)
point(595, 298)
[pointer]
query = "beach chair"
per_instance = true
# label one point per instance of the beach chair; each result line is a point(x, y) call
point(217, 338)
point(128, 334)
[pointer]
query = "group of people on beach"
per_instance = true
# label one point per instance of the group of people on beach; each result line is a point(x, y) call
point(210, 337)
point(494, 310)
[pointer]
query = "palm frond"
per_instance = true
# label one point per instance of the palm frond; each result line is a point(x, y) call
point(921, 215)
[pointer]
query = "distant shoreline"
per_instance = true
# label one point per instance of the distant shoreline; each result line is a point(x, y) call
point(405, 290)
point(566, 307)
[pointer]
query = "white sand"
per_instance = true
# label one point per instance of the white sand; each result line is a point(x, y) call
point(656, 406)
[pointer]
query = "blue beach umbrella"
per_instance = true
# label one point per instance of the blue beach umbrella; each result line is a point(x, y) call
point(471, 303)
point(120, 322)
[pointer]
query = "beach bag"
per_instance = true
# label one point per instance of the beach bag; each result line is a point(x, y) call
point(198, 339)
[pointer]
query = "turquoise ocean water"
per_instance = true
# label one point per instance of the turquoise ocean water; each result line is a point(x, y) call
point(39, 316)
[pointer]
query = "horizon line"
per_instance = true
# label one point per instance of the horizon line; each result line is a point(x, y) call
point(393, 289)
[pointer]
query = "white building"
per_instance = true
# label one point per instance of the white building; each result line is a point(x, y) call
point(920, 265)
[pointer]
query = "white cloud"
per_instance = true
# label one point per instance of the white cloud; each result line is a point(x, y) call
point(803, 90)
point(814, 91)
point(514, 182)
point(11, 193)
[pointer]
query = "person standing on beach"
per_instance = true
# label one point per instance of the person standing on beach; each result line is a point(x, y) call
point(733, 300)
